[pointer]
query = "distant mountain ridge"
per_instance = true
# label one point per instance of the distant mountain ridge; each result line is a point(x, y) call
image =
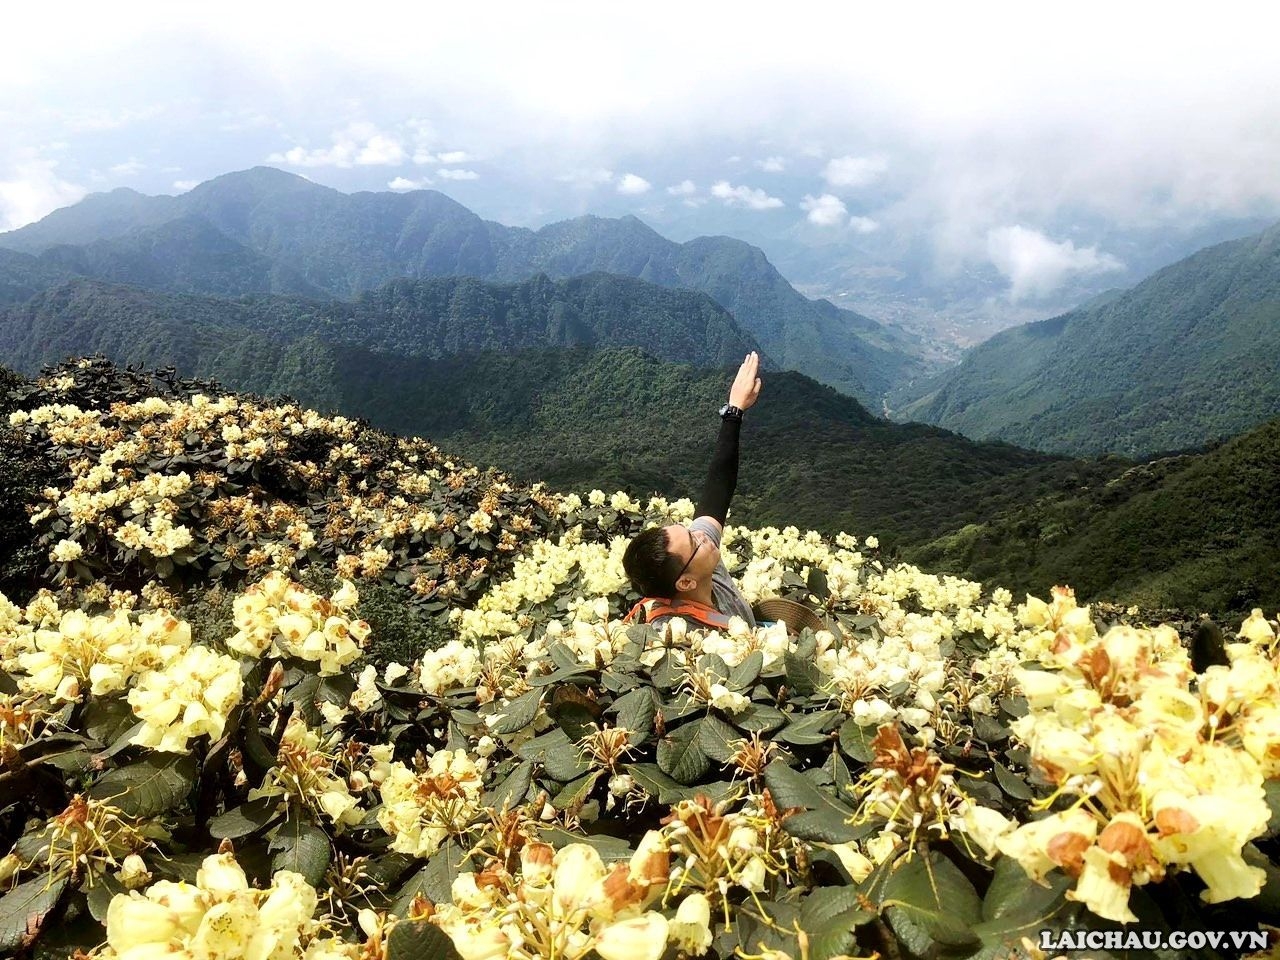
point(1186, 357)
point(406, 318)
point(273, 232)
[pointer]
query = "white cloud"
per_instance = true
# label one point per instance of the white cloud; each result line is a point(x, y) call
point(854, 172)
point(130, 168)
point(631, 184)
point(772, 164)
point(33, 190)
point(827, 210)
point(380, 151)
point(359, 144)
point(446, 173)
point(744, 196)
point(453, 156)
point(685, 188)
point(1037, 266)
point(182, 186)
point(863, 225)
point(403, 183)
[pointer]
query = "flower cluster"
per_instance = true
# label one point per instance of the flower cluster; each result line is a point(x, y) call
point(288, 620)
point(191, 696)
point(221, 917)
point(562, 904)
point(420, 809)
point(83, 655)
point(1161, 781)
point(306, 774)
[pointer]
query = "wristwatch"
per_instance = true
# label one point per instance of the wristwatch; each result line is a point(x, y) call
point(730, 412)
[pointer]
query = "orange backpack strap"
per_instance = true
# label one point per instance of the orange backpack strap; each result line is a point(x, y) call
point(652, 608)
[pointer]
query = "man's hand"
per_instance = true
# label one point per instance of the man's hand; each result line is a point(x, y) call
point(746, 385)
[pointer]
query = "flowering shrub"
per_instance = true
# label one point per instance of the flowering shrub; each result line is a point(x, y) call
point(939, 771)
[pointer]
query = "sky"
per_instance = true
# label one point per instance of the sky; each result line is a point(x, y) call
point(1032, 142)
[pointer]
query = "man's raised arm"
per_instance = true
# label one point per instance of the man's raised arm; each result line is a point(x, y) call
point(722, 477)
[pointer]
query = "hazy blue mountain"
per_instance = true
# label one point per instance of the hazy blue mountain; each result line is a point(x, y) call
point(344, 244)
point(414, 318)
point(186, 255)
point(1188, 356)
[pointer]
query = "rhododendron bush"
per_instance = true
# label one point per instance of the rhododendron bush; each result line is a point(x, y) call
point(942, 771)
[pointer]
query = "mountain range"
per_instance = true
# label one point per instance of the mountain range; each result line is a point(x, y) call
point(578, 392)
point(1186, 357)
point(266, 231)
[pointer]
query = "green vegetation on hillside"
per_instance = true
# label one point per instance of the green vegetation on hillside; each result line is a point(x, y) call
point(1195, 532)
point(416, 318)
point(1186, 357)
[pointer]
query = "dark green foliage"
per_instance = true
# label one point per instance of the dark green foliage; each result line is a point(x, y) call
point(399, 631)
point(1195, 532)
point(23, 474)
point(1186, 357)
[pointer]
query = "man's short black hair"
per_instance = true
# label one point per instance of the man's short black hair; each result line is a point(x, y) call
point(653, 568)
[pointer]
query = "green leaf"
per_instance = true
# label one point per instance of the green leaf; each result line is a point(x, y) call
point(105, 718)
point(759, 718)
point(418, 939)
point(573, 711)
point(611, 849)
point(808, 728)
point(24, 908)
point(713, 665)
point(803, 675)
point(99, 896)
point(576, 792)
point(929, 902)
point(716, 739)
point(1011, 783)
point(518, 714)
point(1015, 907)
point(830, 915)
point(656, 783)
point(840, 775)
point(821, 816)
point(680, 756)
point(246, 819)
point(826, 826)
point(435, 880)
point(635, 712)
point(558, 755)
point(299, 845)
point(745, 673)
point(511, 792)
point(148, 787)
point(855, 741)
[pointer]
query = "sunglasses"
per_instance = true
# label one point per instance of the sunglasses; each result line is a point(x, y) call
point(697, 545)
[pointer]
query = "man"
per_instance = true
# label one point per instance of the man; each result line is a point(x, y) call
point(677, 569)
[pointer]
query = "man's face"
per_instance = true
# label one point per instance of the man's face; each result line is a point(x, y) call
point(685, 544)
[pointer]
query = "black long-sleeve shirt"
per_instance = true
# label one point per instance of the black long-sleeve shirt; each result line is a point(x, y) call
point(722, 476)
